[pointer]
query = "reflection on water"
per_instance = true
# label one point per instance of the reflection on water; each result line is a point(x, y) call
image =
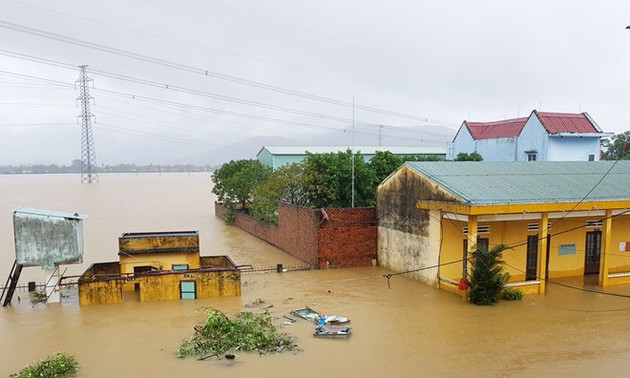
point(407, 330)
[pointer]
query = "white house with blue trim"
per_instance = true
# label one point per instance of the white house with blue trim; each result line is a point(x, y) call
point(542, 136)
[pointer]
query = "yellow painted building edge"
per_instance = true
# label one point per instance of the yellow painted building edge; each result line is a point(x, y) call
point(459, 208)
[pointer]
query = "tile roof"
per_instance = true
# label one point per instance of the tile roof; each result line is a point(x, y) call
point(567, 122)
point(498, 129)
point(489, 183)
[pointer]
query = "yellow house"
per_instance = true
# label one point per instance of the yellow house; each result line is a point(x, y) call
point(159, 266)
point(558, 219)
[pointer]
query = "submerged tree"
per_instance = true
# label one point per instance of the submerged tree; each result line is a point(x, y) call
point(235, 181)
point(249, 332)
point(487, 277)
point(329, 178)
point(285, 184)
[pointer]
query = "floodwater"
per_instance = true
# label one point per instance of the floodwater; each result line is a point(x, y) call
point(406, 329)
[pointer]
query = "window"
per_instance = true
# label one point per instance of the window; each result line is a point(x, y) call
point(177, 267)
point(188, 289)
point(591, 157)
point(531, 156)
point(480, 230)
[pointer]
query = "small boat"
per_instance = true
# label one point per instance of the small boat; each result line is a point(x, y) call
point(333, 331)
point(313, 316)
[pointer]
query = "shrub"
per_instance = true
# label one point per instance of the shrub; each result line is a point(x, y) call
point(59, 365)
point(487, 277)
point(229, 217)
point(512, 294)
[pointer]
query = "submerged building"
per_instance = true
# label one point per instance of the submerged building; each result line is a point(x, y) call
point(159, 266)
point(558, 219)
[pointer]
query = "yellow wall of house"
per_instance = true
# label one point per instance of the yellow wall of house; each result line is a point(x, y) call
point(566, 231)
point(162, 287)
point(452, 249)
point(159, 261)
point(207, 284)
point(100, 292)
point(619, 260)
point(159, 241)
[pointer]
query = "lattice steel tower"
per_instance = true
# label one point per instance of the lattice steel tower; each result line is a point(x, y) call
point(88, 155)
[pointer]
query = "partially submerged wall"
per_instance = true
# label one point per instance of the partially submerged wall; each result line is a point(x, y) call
point(347, 238)
point(408, 237)
point(320, 237)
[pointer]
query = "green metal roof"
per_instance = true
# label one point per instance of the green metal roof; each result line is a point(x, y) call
point(365, 150)
point(493, 183)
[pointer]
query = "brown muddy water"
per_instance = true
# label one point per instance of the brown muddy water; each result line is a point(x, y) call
point(406, 330)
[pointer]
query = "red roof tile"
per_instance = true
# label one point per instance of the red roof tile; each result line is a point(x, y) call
point(498, 129)
point(567, 122)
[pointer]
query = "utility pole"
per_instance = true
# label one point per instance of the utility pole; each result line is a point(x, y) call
point(352, 150)
point(88, 155)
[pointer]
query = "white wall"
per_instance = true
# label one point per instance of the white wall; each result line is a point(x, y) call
point(533, 137)
point(572, 148)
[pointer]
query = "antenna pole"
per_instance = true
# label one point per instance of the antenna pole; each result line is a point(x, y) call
point(352, 150)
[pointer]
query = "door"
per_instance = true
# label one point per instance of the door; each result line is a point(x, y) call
point(187, 290)
point(593, 251)
point(531, 272)
point(480, 241)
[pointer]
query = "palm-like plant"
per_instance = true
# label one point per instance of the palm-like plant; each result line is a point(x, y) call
point(487, 277)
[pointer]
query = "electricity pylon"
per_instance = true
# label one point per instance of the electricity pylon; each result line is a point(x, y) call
point(88, 155)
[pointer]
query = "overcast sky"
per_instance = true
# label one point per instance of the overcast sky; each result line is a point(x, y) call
point(177, 79)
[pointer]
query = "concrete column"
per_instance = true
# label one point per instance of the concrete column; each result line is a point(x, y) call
point(472, 237)
point(542, 252)
point(605, 250)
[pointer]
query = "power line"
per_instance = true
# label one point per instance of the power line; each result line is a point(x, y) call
point(214, 49)
point(204, 72)
point(166, 86)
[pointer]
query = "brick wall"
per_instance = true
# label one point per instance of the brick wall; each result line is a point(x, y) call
point(322, 238)
point(347, 238)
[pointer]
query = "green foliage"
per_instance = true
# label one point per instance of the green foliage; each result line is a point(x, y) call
point(59, 365)
point(328, 180)
point(229, 217)
point(286, 184)
point(487, 278)
point(384, 163)
point(614, 148)
point(248, 332)
point(473, 156)
point(512, 294)
point(235, 181)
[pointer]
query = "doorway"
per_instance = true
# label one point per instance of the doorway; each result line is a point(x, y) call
point(593, 252)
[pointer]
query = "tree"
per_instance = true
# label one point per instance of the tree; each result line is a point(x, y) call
point(473, 156)
point(487, 278)
point(329, 177)
point(384, 163)
point(617, 147)
point(284, 184)
point(235, 181)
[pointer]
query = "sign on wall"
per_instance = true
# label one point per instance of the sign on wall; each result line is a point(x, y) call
point(566, 249)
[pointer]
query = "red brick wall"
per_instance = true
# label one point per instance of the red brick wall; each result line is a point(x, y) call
point(340, 238)
point(347, 238)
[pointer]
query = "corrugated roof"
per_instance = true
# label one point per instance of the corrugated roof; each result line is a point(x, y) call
point(508, 128)
point(490, 183)
point(566, 122)
point(397, 150)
